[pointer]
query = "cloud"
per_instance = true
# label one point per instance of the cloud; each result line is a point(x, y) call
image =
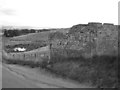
point(7, 12)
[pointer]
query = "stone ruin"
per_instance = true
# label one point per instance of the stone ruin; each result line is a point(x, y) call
point(87, 40)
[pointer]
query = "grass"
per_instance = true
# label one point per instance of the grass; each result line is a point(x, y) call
point(26, 39)
point(32, 37)
point(31, 64)
point(99, 71)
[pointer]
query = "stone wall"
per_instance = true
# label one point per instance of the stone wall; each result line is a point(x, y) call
point(37, 55)
point(88, 40)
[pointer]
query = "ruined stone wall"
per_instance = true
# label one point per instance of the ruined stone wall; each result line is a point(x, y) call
point(88, 40)
point(107, 40)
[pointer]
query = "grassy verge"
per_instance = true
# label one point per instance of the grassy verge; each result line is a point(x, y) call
point(99, 71)
point(31, 64)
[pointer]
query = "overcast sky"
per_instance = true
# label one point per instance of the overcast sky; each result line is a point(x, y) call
point(57, 13)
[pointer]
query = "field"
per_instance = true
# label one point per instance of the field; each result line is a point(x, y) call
point(24, 39)
point(33, 37)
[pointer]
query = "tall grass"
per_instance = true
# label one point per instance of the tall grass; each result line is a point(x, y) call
point(29, 63)
point(99, 71)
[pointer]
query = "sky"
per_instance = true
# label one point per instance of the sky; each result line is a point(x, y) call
point(57, 13)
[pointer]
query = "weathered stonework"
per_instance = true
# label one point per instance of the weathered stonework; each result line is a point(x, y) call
point(89, 40)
